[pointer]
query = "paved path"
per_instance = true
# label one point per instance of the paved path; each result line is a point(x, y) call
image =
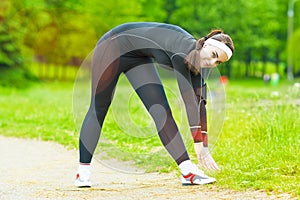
point(31, 169)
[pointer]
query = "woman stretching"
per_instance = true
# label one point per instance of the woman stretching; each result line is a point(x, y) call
point(134, 49)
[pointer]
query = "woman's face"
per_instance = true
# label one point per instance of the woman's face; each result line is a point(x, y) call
point(211, 56)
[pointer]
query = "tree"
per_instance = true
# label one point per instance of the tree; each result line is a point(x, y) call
point(58, 31)
point(154, 10)
point(10, 55)
point(51, 31)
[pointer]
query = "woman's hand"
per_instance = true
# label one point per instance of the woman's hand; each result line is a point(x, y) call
point(204, 157)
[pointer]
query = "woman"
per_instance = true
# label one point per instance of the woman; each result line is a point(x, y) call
point(133, 49)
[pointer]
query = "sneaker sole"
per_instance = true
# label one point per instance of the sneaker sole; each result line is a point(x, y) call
point(188, 183)
point(196, 180)
point(81, 184)
point(84, 186)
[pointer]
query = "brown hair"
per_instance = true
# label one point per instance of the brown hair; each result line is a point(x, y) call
point(193, 59)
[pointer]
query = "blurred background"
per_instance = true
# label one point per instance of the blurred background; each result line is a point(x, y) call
point(50, 38)
point(43, 44)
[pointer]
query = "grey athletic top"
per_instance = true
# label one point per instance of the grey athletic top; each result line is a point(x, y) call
point(165, 44)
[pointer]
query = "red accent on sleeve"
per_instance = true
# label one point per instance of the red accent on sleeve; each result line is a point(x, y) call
point(197, 135)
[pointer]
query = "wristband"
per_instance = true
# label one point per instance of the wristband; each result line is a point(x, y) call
point(196, 133)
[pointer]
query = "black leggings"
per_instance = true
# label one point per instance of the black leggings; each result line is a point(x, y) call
point(146, 82)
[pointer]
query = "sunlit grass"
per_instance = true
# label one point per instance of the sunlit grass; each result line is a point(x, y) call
point(258, 147)
point(43, 111)
point(260, 143)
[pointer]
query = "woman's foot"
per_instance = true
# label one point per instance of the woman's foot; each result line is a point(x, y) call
point(83, 176)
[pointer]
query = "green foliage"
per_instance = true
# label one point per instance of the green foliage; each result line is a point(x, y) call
point(59, 32)
point(153, 10)
point(10, 55)
point(16, 78)
point(104, 15)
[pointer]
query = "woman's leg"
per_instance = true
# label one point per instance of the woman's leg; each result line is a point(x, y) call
point(105, 73)
point(92, 124)
point(104, 80)
point(147, 84)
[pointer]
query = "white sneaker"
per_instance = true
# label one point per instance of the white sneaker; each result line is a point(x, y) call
point(83, 180)
point(196, 177)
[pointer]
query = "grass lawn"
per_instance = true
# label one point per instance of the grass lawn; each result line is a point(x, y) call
point(257, 147)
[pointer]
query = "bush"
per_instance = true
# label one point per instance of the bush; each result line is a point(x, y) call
point(16, 77)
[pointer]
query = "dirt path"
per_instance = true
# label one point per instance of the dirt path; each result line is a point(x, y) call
point(31, 169)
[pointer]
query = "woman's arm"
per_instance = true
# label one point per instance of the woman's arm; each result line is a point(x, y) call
point(193, 92)
point(199, 88)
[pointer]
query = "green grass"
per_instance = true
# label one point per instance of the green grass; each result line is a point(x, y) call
point(257, 148)
point(42, 111)
point(260, 143)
